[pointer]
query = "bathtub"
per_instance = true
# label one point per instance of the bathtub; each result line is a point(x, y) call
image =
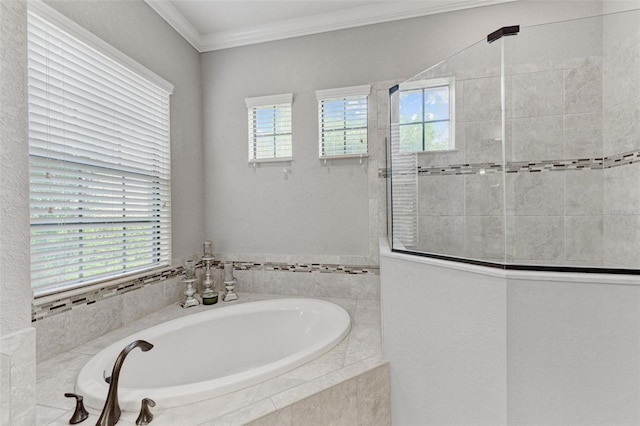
point(211, 353)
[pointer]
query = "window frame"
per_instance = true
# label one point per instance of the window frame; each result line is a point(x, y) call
point(423, 85)
point(274, 102)
point(342, 94)
point(161, 257)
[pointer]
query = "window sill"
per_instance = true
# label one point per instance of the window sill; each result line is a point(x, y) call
point(439, 151)
point(335, 157)
point(270, 160)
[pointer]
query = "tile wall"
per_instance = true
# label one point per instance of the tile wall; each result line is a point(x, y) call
point(621, 133)
point(571, 147)
point(362, 400)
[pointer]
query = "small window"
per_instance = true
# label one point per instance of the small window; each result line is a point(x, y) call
point(270, 128)
point(99, 156)
point(342, 121)
point(427, 115)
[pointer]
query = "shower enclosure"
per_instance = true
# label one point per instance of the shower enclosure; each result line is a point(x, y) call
point(523, 151)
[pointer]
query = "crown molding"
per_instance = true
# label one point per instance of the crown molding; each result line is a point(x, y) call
point(339, 20)
point(169, 13)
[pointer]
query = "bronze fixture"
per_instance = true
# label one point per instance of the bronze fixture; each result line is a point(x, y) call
point(145, 416)
point(80, 414)
point(111, 411)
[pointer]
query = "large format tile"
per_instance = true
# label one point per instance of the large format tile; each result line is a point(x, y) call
point(583, 194)
point(484, 237)
point(621, 190)
point(535, 194)
point(537, 138)
point(441, 234)
point(584, 239)
point(621, 127)
point(537, 94)
point(583, 136)
point(484, 194)
point(374, 397)
point(483, 142)
point(441, 195)
point(535, 238)
point(337, 405)
point(583, 89)
point(621, 241)
point(482, 100)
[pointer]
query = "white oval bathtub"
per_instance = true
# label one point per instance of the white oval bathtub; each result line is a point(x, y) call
point(207, 354)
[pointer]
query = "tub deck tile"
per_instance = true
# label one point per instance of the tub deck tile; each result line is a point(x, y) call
point(271, 400)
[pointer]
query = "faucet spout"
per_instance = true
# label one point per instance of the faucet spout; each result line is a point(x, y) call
point(111, 411)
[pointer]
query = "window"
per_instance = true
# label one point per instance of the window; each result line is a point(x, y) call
point(99, 158)
point(342, 121)
point(269, 127)
point(427, 115)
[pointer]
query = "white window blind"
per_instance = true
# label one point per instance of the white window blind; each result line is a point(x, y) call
point(99, 163)
point(342, 121)
point(270, 127)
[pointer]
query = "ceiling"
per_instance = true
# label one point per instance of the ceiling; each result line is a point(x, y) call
point(220, 24)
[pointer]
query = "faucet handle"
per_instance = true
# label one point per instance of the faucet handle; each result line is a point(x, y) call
point(145, 416)
point(80, 414)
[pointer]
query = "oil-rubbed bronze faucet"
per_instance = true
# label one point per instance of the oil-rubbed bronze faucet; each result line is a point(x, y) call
point(111, 411)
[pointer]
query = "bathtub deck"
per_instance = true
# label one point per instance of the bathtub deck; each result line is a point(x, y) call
point(360, 351)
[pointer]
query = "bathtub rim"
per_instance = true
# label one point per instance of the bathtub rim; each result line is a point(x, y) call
point(129, 398)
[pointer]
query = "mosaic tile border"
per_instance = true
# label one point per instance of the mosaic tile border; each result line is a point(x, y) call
point(62, 305)
point(307, 267)
point(526, 166)
point(90, 297)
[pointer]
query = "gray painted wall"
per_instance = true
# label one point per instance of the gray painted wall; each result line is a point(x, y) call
point(317, 209)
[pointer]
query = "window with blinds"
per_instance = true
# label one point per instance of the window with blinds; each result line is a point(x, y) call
point(342, 121)
point(270, 127)
point(99, 159)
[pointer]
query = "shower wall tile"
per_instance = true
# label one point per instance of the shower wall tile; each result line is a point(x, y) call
point(441, 195)
point(622, 190)
point(584, 239)
point(484, 237)
point(535, 194)
point(621, 241)
point(441, 234)
point(483, 194)
point(483, 142)
point(537, 238)
point(482, 99)
point(537, 138)
point(583, 89)
point(583, 136)
point(537, 94)
point(621, 63)
point(459, 101)
point(621, 127)
point(583, 192)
